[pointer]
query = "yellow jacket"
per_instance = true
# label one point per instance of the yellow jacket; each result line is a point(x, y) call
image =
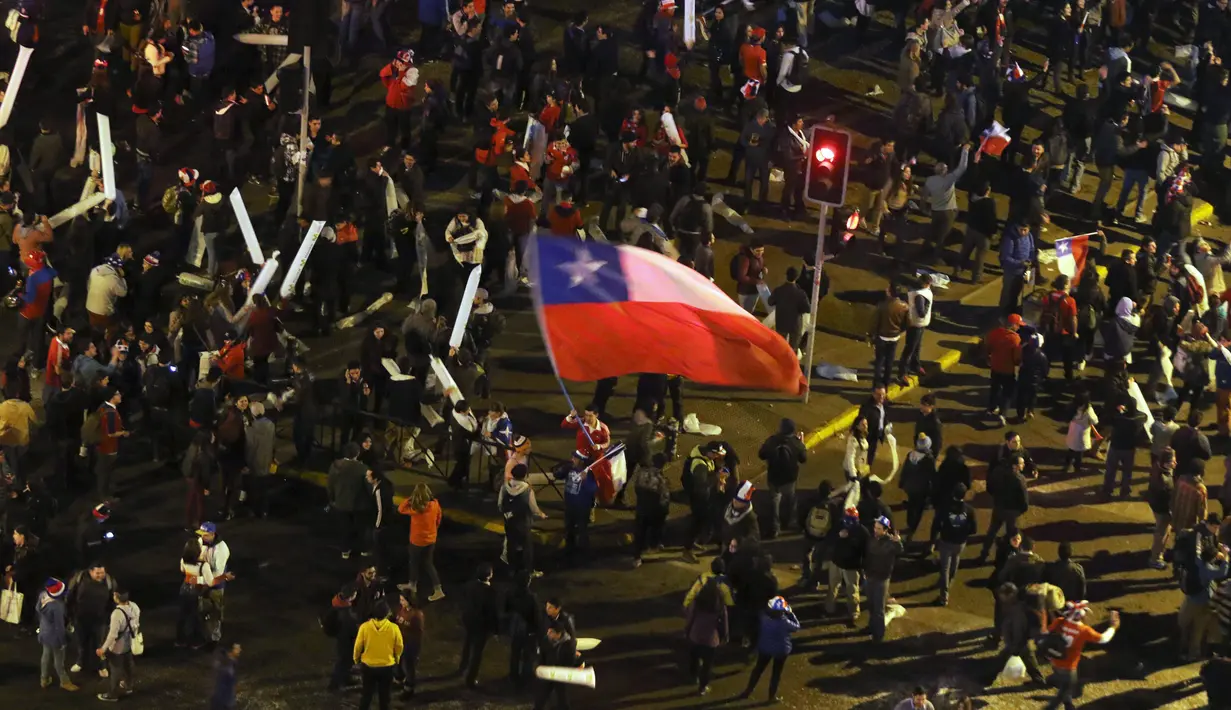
point(379, 643)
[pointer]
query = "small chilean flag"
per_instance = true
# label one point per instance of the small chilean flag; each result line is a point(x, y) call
point(995, 140)
point(1071, 256)
point(609, 310)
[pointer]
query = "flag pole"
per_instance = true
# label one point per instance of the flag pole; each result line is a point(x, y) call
point(580, 424)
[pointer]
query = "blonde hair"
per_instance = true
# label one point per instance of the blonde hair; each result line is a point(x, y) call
point(420, 497)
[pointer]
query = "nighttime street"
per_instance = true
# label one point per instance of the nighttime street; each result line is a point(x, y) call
point(289, 565)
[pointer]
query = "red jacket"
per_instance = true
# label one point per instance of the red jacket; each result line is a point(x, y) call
point(1004, 351)
point(398, 95)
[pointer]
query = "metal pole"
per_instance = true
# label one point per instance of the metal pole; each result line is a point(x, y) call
point(816, 296)
point(303, 127)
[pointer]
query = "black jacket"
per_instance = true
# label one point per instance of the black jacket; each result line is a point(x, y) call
point(930, 425)
point(480, 608)
point(1069, 576)
point(783, 453)
point(1008, 489)
point(790, 303)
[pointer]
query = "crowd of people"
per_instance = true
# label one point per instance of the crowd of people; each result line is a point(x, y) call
point(144, 328)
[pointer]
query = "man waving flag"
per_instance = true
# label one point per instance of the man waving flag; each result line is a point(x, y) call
point(609, 310)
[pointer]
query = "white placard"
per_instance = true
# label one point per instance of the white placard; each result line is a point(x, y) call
point(10, 95)
point(245, 227)
point(262, 40)
point(690, 23)
point(301, 259)
point(107, 155)
point(463, 311)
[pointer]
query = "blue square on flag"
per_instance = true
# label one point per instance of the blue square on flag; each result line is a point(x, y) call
point(573, 271)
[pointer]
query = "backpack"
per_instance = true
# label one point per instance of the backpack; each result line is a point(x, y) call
point(819, 522)
point(1052, 644)
point(737, 269)
point(329, 622)
point(692, 218)
point(1184, 562)
point(92, 428)
point(1051, 595)
point(170, 200)
point(686, 474)
point(799, 68)
point(1049, 319)
point(982, 115)
point(783, 456)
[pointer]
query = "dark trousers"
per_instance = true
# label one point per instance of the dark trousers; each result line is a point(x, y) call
point(472, 654)
point(301, 433)
point(701, 663)
point(882, 361)
point(1106, 175)
point(260, 490)
point(188, 624)
point(522, 652)
point(1027, 398)
point(519, 549)
point(775, 676)
point(194, 505)
point(1000, 394)
point(974, 243)
point(756, 171)
point(343, 661)
point(1067, 687)
point(648, 531)
point(90, 633)
point(915, 505)
point(576, 532)
point(909, 362)
point(378, 682)
point(547, 689)
point(397, 124)
point(616, 199)
point(104, 466)
point(942, 225)
point(1000, 517)
point(1011, 293)
point(351, 531)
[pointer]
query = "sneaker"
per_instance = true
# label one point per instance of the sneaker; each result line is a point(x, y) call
point(1002, 419)
point(108, 698)
point(44, 683)
point(1141, 219)
point(437, 595)
point(76, 668)
point(636, 563)
point(704, 691)
point(346, 555)
point(536, 574)
point(406, 587)
point(365, 553)
point(1158, 564)
point(69, 685)
point(102, 673)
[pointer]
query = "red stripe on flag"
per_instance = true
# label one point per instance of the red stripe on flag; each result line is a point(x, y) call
point(589, 341)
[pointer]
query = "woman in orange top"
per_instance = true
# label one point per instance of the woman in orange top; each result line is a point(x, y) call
point(425, 515)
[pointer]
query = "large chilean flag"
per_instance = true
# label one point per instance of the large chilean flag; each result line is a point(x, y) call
point(610, 310)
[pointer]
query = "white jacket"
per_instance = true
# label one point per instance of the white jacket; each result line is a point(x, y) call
point(856, 461)
point(106, 286)
point(1080, 430)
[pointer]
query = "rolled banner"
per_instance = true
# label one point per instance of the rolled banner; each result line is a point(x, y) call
point(107, 155)
point(391, 197)
point(262, 40)
point(588, 644)
point(690, 23)
point(68, 214)
point(245, 226)
point(263, 279)
point(463, 311)
point(447, 383)
point(272, 82)
point(357, 318)
point(301, 259)
point(564, 674)
point(10, 95)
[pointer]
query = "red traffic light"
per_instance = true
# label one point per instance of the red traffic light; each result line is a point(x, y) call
point(830, 153)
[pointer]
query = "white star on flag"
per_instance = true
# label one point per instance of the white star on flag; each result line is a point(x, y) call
point(582, 269)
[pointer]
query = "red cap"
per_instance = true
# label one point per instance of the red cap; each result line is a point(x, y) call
point(700, 103)
point(758, 33)
point(1015, 319)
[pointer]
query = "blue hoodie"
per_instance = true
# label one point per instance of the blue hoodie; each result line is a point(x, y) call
point(579, 490)
point(200, 55)
point(1015, 251)
point(775, 638)
point(52, 621)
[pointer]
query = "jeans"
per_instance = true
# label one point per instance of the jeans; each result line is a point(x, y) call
point(421, 555)
point(145, 175)
point(1162, 533)
point(909, 361)
point(775, 675)
point(1133, 178)
point(1000, 516)
point(1119, 460)
point(950, 560)
point(1197, 624)
point(882, 361)
point(878, 594)
point(104, 465)
point(848, 577)
point(760, 173)
point(378, 682)
point(701, 663)
point(53, 657)
point(1000, 394)
point(648, 531)
point(1011, 292)
point(780, 494)
point(188, 627)
point(1067, 687)
point(90, 633)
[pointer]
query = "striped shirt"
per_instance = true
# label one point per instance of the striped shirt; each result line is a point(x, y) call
point(1188, 504)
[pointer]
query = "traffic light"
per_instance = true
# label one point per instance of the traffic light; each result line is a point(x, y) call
point(829, 155)
point(842, 226)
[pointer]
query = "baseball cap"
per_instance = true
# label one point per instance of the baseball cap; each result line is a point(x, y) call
point(1015, 319)
point(207, 529)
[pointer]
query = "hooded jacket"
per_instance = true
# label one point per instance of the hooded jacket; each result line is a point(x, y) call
point(516, 503)
point(213, 214)
point(784, 452)
point(378, 643)
point(52, 621)
point(399, 86)
point(106, 287)
point(748, 269)
point(347, 486)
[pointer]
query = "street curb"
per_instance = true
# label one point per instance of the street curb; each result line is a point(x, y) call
point(945, 362)
point(454, 515)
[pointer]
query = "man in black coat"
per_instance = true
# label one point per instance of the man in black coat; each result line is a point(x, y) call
point(783, 452)
point(558, 648)
point(480, 619)
point(876, 411)
point(583, 136)
point(790, 303)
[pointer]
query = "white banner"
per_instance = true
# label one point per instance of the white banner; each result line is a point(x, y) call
point(245, 227)
point(301, 259)
point(463, 310)
point(10, 94)
point(107, 155)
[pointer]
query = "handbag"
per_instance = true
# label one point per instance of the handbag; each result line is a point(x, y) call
point(11, 602)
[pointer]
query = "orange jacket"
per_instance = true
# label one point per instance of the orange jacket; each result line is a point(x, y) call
point(1004, 351)
point(423, 526)
point(231, 360)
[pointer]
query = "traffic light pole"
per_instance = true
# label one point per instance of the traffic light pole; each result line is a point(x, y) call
point(816, 297)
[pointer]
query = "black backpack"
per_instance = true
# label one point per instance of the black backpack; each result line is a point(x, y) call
point(1052, 644)
point(799, 68)
point(736, 268)
point(784, 456)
